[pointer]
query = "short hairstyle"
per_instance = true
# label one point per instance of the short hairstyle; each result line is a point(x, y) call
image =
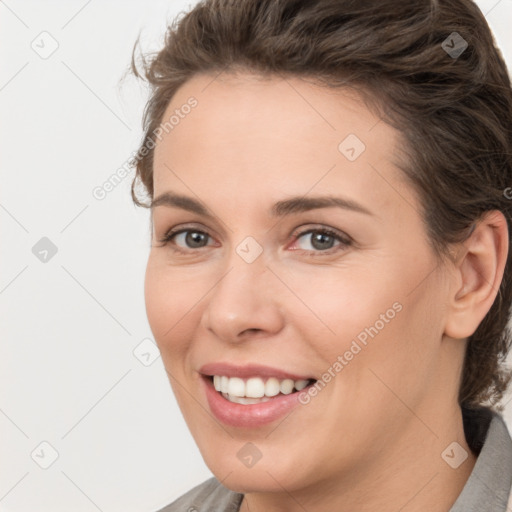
point(408, 59)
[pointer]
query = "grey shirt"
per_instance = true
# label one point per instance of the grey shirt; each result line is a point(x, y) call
point(487, 490)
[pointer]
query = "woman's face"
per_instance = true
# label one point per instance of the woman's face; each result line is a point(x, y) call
point(255, 279)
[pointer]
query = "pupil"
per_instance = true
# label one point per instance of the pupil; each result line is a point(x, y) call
point(194, 239)
point(322, 241)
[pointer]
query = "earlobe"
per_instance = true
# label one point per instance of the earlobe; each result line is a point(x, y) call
point(478, 275)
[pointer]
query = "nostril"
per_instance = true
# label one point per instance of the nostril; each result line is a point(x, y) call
point(251, 330)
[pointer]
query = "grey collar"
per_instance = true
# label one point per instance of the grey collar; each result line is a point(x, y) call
point(489, 485)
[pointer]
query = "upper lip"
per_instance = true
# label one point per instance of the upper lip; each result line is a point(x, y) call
point(249, 370)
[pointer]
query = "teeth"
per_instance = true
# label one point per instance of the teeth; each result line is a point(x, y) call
point(300, 384)
point(236, 387)
point(256, 387)
point(224, 381)
point(272, 387)
point(246, 401)
point(286, 386)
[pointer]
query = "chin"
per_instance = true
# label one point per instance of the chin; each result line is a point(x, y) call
point(265, 475)
point(252, 480)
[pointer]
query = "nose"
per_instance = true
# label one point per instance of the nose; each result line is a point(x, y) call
point(244, 301)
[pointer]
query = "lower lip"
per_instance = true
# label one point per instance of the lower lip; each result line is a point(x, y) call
point(251, 415)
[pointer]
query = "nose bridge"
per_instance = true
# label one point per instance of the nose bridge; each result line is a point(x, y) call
point(242, 299)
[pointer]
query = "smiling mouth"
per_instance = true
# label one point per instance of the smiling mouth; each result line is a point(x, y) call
point(255, 390)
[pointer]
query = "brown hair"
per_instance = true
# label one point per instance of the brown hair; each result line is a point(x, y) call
point(454, 110)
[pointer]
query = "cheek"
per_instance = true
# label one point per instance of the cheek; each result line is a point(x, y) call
point(170, 300)
point(373, 319)
point(397, 354)
point(335, 306)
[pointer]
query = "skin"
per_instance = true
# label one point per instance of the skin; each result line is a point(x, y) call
point(372, 439)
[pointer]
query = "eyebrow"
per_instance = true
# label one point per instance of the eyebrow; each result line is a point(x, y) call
point(290, 206)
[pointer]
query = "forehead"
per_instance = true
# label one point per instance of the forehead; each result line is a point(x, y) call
point(274, 133)
point(244, 104)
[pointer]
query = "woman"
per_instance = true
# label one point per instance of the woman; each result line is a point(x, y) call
point(329, 278)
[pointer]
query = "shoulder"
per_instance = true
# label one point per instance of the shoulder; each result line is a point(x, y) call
point(209, 495)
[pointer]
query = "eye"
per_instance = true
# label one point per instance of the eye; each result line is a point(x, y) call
point(312, 241)
point(192, 239)
point(321, 240)
point(186, 239)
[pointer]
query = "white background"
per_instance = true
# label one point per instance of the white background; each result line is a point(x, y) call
point(68, 374)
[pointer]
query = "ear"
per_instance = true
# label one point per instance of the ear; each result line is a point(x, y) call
point(479, 269)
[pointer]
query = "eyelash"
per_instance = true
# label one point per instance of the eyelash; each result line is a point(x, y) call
point(345, 241)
